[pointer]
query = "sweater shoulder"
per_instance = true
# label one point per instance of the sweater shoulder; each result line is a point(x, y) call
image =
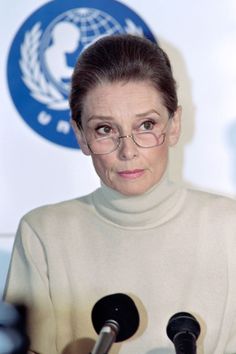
point(208, 197)
point(215, 204)
point(51, 213)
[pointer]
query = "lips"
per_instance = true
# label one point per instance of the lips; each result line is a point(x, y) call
point(131, 174)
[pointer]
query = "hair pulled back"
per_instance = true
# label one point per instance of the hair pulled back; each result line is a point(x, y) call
point(122, 58)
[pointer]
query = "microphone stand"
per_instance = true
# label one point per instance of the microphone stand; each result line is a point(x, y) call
point(106, 338)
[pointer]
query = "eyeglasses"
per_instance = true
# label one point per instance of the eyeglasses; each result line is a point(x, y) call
point(147, 139)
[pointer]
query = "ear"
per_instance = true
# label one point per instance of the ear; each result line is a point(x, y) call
point(175, 127)
point(80, 138)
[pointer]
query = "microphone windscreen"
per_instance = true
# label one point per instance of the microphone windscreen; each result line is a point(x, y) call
point(120, 308)
point(182, 322)
point(9, 316)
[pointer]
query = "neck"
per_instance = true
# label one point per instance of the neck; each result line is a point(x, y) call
point(142, 211)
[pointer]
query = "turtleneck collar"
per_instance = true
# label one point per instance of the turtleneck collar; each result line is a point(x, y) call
point(148, 210)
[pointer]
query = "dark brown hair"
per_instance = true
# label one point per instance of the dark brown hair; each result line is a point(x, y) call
point(122, 58)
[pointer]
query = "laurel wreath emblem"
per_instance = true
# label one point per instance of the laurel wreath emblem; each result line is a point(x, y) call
point(42, 90)
point(33, 77)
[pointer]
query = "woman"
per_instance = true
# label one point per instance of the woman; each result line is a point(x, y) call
point(169, 248)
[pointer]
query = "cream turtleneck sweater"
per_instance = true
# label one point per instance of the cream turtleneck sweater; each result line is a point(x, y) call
point(170, 249)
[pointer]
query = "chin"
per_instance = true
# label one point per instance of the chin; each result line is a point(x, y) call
point(133, 190)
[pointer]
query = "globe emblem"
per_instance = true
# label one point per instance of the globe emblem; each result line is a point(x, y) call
point(44, 52)
point(68, 35)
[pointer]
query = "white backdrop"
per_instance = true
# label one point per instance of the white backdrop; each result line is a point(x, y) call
point(200, 38)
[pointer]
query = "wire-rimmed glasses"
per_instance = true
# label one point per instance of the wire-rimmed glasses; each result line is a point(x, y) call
point(146, 139)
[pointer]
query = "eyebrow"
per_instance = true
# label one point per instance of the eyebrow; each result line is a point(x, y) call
point(148, 112)
point(99, 117)
point(138, 115)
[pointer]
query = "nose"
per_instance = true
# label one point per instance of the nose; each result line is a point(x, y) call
point(127, 148)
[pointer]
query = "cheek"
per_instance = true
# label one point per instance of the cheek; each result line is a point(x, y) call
point(163, 157)
point(156, 157)
point(102, 164)
point(164, 152)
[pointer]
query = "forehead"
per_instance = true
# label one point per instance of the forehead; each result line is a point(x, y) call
point(122, 99)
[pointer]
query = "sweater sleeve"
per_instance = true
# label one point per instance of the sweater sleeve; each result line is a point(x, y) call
point(231, 344)
point(27, 284)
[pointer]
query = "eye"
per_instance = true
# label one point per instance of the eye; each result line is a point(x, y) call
point(148, 125)
point(103, 129)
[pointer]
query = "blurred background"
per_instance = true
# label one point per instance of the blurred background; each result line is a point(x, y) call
point(39, 160)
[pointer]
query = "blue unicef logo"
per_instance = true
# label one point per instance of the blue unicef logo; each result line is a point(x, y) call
point(43, 54)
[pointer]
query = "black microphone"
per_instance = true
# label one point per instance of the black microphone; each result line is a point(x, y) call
point(13, 338)
point(115, 318)
point(183, 330)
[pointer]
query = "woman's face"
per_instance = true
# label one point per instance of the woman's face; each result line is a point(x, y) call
point(118, 109)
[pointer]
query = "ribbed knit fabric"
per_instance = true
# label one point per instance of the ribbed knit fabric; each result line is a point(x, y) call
point(170, 249)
